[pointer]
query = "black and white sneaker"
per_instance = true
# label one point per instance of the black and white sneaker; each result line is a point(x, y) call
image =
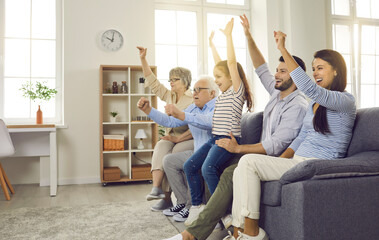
point(174, 210)
point(182, 215)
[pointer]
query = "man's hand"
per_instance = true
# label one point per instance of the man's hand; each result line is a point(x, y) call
point(280, 39)
point(170, 138)
point(172, 110)
point(229, 145)
point(144, 105)
point(228, 28)
point(142, 52)
point(245, 24)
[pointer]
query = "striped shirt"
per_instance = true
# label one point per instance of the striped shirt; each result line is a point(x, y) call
point(340, 111)
point(228, 112)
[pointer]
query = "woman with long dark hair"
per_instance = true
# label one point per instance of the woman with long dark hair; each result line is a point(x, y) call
point(325, 134)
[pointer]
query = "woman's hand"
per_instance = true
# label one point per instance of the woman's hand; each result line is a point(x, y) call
point(229, 28)
point(230, 145)
point(245, 24)
point(142, 52)
point(170, 138)
point(280, 39)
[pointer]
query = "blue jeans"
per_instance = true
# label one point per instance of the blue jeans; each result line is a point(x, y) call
point(209, 158)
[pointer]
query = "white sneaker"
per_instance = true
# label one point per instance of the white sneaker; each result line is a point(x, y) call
point(194, 214)
point(229, 237)
point(262, 235)
point(176, 237)
point(227, 220)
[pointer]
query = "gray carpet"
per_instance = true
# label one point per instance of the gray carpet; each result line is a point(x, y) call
point(102, 221)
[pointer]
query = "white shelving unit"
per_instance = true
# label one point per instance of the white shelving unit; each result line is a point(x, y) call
point(126, 106)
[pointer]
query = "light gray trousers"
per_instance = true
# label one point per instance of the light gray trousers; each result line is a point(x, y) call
point(173, 168)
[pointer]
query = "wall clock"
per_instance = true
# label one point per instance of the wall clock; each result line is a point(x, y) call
point(112, 40)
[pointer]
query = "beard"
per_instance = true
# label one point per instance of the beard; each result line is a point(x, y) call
point(285, 85)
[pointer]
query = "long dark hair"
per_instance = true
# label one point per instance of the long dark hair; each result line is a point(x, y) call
point(335, 59)
point(223, 65)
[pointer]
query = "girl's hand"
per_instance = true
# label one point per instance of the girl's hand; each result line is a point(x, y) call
point(142, 52)
point(229, 28)
point(211, 38)
point(245, 24)
point(280, 39)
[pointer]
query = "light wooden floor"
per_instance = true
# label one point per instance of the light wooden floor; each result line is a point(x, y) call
point(32, 195)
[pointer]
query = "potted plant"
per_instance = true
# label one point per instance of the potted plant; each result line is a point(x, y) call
point(113, 116)
point(38, 91)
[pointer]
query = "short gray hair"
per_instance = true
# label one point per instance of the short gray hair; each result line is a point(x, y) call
point(184, 74)
point(211, 83)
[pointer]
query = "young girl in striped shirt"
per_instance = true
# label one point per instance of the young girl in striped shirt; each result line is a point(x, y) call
point(231, 79)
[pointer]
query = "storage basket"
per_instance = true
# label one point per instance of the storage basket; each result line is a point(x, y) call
point(112, 173)
point(141, 171)
point(114, 142)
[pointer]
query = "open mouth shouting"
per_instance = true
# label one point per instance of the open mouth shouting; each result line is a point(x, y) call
point(318, 81)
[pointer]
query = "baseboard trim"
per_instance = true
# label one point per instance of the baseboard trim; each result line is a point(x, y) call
point(70, 181)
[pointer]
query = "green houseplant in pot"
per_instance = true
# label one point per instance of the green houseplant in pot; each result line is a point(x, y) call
point(38, 91)
point(113, 116)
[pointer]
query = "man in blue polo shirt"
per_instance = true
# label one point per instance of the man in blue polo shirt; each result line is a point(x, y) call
point(198, 116)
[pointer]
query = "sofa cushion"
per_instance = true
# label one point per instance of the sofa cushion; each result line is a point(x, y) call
point(271, 193)
point(366, 131)
point(361, 164)
point(251, 125)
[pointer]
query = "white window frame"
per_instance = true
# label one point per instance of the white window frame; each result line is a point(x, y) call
point(202, 8)
point(355, 24)
point(58, 72)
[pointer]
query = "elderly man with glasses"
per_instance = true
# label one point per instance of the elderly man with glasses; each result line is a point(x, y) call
point(198, 116)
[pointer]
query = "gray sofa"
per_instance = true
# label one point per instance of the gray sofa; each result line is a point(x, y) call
point(325, 199)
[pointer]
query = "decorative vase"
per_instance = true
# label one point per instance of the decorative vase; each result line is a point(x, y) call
point(113, 119)
point(39, 116)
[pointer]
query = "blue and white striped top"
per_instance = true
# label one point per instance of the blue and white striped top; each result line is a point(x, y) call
point(228, 112)
point(340, 111)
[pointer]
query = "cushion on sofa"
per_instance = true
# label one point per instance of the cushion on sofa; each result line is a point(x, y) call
point(361, 164)
point(366, 131)
point(251, 125)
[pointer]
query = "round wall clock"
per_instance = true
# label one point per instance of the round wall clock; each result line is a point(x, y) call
point(112, 40)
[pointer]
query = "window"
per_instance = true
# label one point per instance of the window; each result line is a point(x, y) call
point(355, 28)
point(182, 29)
point(29, 53)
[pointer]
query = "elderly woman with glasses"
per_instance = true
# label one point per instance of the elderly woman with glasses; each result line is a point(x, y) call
point(177, 139)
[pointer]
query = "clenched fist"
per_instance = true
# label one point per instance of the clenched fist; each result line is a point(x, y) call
point(144, 105)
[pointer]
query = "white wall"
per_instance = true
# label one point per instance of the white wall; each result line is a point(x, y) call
point(85, 20)
point(304, 22)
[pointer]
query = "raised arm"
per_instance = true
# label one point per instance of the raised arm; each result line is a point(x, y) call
point(145, 66)
point(255, 54)
point(334, 100)
point(231, 60)
point(158, 117)
point(215, 55)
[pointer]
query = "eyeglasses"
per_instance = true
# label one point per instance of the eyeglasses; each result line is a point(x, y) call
point(173, 79)
point(198, 89)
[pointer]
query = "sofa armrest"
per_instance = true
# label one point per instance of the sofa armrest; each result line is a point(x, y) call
point(361, 164)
